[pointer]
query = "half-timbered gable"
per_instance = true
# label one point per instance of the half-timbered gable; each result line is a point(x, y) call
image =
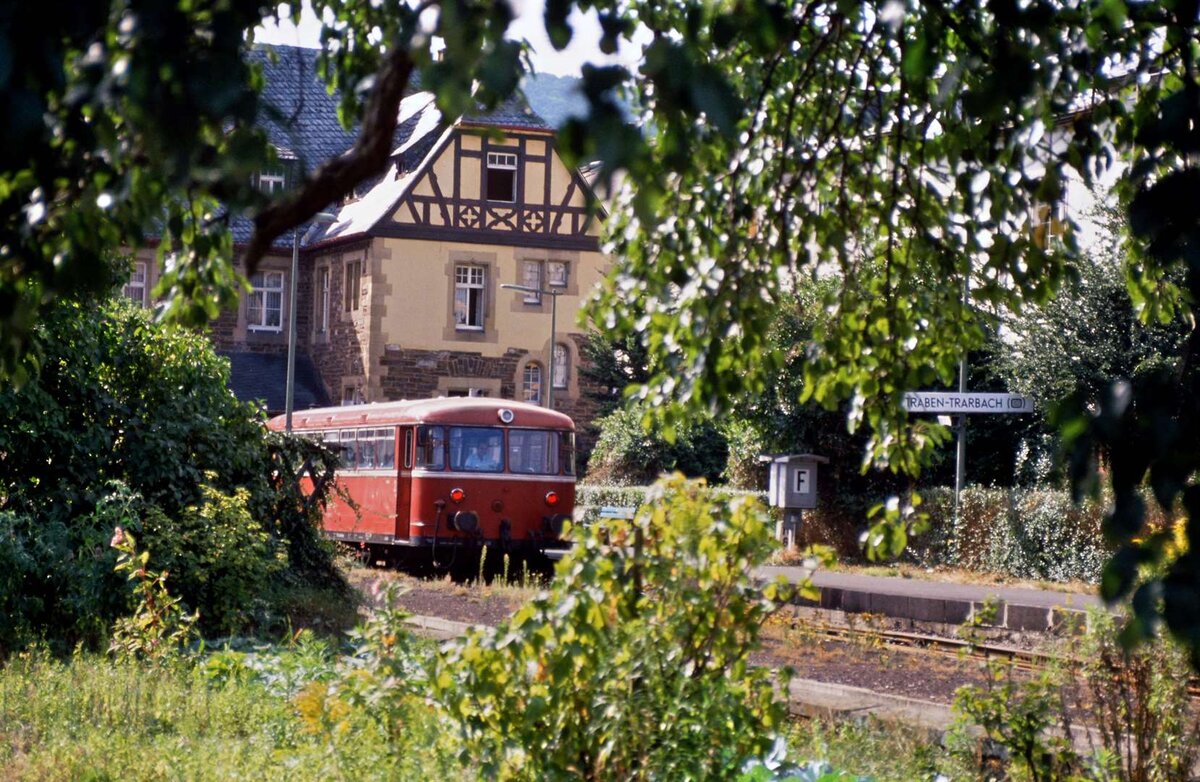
point(512, 190)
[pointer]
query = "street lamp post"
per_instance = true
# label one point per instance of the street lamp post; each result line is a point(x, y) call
point(553, 294)
point(321, 218)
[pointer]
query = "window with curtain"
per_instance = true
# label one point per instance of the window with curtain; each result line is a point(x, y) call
point(264, 310)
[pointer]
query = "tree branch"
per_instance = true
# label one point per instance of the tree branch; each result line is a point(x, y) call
point(338, 176)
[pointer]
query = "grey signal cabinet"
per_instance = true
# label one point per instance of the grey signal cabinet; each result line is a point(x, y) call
point(793, 489)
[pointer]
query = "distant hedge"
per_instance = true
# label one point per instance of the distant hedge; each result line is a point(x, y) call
point(1023, 533)
point(590, 498)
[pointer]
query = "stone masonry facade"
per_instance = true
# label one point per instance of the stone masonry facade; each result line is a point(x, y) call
point(414, 374)
point(340, 351)
point(409, 373)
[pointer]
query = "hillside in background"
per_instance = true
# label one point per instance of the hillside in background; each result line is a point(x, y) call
point(555, 98)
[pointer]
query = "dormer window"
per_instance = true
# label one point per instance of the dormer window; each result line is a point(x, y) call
point(272, 180)
point(501, 182)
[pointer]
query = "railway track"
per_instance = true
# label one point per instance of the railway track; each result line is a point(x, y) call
point(919, 643)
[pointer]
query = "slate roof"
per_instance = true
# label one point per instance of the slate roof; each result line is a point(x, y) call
point(512, 113)
point(262, 377)
point(295, 109)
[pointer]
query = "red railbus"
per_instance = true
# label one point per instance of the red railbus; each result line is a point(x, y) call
point(430, 473)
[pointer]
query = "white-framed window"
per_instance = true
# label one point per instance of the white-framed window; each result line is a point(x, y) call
point(501, 179)
point(1049, 224)
point(562, 365)
point(469, 289)
point(556, 274)
point(324, 292)
point(376, 449)
point(531, 383)
point(352, 394)
point(135, 289)
point(352, 291)
point(265, 308)
point(466, 392)
point(531, 277)
point(272, 180)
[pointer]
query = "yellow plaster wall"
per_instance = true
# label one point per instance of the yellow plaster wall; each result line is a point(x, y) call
point(420, 278)
point(416, 276)
point(471, 171)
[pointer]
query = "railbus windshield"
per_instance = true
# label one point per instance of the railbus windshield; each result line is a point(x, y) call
point(476, 448)
point(532, 451)
point(483, 449)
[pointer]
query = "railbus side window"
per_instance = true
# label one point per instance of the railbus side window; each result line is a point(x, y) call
point(366, 449)
point(431, 447)
point(376, 449)
point(334, 441)
point(533, 451)
point(408, 442)
point(567, 452)
point(385, 448)
point(349, 449)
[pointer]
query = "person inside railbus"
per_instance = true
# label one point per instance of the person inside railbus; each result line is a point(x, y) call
point(481, 457)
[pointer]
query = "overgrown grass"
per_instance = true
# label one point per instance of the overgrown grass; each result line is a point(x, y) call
point(326, 611)
point(93, 719)
point(884, 752)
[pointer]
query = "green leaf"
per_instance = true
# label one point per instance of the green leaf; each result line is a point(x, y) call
point(557, 27)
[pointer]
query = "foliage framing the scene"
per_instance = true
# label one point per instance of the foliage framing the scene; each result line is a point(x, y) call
point(905, 147)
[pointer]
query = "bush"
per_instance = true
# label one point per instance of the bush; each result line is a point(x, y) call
point(743, 469)
point(628, 453)
point(220, 560)
point(1135, 701)
point(56, 580)
point(634, 665)
point(120, 397)
point(1023, 533)
point(130, 421)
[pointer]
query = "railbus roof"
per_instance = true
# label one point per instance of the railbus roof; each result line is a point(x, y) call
point(468, 411)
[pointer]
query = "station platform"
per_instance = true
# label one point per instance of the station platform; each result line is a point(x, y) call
point(1016, 609)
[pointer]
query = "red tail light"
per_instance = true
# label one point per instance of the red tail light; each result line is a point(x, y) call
point(551, 498)
point(458, 495)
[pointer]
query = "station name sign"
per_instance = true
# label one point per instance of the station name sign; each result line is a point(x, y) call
point(966, 402)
